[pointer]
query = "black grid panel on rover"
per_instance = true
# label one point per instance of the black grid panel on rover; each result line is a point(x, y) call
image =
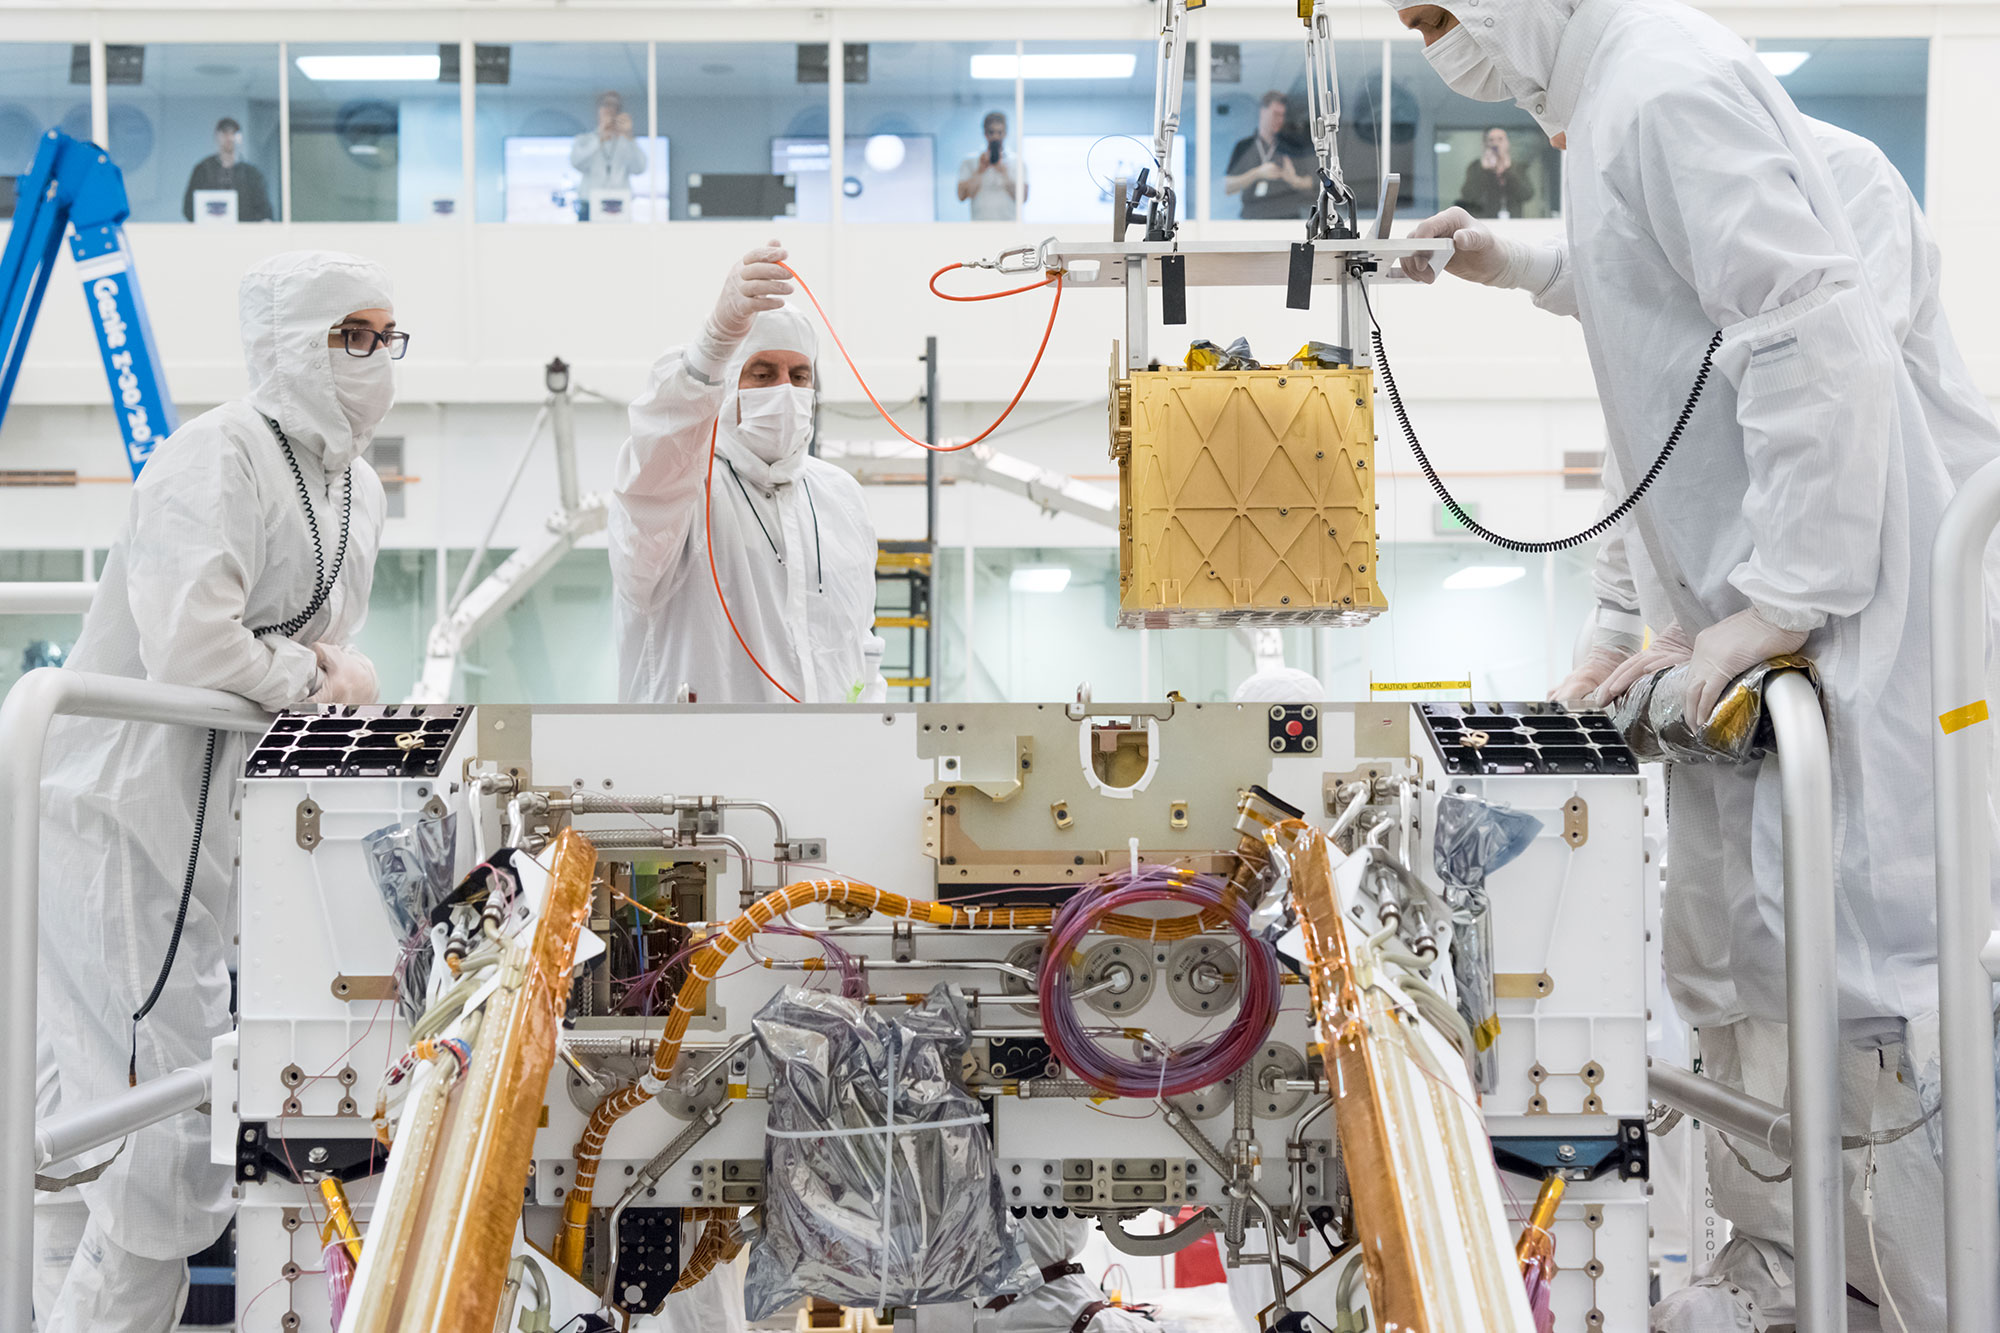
point(1494, 739)
point(379, 741)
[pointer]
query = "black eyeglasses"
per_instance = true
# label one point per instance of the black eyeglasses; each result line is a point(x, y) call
point(361, 341)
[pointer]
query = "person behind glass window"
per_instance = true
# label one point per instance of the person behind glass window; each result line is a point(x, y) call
point(225, 169)
point(608, 157)
point(986, 179)
point(1271, 169)
point(1494, 187)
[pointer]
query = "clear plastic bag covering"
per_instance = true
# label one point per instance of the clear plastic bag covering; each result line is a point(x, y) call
point(413, 866)
point(1473, 839)
point(879, 1179)
point(1653, 716)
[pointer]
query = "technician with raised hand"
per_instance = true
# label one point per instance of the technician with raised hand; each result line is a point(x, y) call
point(1794, 516)
point(244, 565)
point(783, 547)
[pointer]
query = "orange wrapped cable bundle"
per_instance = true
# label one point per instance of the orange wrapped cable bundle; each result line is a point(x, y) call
point(1435, 1246)
point(720, 1240)
point(444, 1223)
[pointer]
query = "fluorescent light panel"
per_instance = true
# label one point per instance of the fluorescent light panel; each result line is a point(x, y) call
point(1484, 576)
point(1057, 65)
point(1783, 63)
point(357, 69)
point(1039, 578)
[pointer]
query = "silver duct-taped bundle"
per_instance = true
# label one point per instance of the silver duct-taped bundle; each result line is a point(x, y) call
point(1473, 839)
point(879, 1181)
point(412, 866)
point(1653, 716)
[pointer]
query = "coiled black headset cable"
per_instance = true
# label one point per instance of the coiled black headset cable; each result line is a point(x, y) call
point(1589, 534)
point(322, 589)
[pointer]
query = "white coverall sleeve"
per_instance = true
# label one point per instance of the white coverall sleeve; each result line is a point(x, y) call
point(874, 686)
point(1611, 576)
point(1550, 281)
point(196, 550)
point(656, 495)
point(581, 149)
point(1814, 372)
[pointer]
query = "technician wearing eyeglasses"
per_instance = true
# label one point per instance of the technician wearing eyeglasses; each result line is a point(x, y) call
point(794, 549)
point(244, 565)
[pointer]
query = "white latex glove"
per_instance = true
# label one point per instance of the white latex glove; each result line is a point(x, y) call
point(1593, 671)
point(1727, 649)
point(755, 284)
point(350, 676)
point(1482, 257)
point(1669, 648)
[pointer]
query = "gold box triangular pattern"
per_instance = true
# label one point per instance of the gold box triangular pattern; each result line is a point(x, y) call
point(1248, 498)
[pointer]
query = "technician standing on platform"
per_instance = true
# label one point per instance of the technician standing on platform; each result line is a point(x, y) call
point(1794, 517)
point(794, 550)
point(245, 565)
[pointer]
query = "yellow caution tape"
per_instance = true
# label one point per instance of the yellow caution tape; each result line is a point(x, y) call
point(1958, 719)
point(1384, 686)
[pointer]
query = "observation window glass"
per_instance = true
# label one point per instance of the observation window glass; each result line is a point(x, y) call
point(1491, 158)
point(41, 89)
point(376, 132)
point(916, 129)
point(1088, 113)
point(1262, 161)
point(194, 131)
point(748, 125)
point(562, 135)
point(1878, 88)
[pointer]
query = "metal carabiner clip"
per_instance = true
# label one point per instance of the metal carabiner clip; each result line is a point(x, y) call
point(1022, 259)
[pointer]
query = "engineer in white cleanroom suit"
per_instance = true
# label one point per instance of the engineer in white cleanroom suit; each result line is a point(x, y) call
point(217, 545)
point(793, 545)
point(1067, 1301)
point(1794, 516)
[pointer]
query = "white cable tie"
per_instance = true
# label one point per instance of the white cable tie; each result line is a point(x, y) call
point(891, 1128)
point(652, 1084)
point(1132, 845)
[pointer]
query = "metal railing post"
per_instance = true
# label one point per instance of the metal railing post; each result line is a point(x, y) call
point(1961, 749)
point(1812, 1017)
point(35, 700)
point(70, 1132)
point(46, 599)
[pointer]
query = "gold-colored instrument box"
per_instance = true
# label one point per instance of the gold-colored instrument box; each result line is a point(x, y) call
point(1246, 497)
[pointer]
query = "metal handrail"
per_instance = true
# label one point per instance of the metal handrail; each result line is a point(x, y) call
point(46, 599)
point(1722, 1107)
point(36, 699)
point(1812, 1003)
point(67, 1133)
point(1961, 749)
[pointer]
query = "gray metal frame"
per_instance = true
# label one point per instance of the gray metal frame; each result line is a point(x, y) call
point(37, 699)
point(1960, 754)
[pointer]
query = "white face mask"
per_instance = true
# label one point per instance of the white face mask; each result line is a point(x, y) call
point(1467, 70)
point(775, 423)
point(365, 388)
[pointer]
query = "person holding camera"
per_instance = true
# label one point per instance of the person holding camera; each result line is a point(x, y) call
point(986, 180)
point(608, 157)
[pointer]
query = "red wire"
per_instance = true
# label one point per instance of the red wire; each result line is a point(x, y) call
point(708, 488)
point(1053, 280)
point(985, 296)
point(708, 537)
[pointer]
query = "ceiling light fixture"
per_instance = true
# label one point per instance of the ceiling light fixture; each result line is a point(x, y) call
point(1474, 577)
point(358, 69)
point(1057, 65)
